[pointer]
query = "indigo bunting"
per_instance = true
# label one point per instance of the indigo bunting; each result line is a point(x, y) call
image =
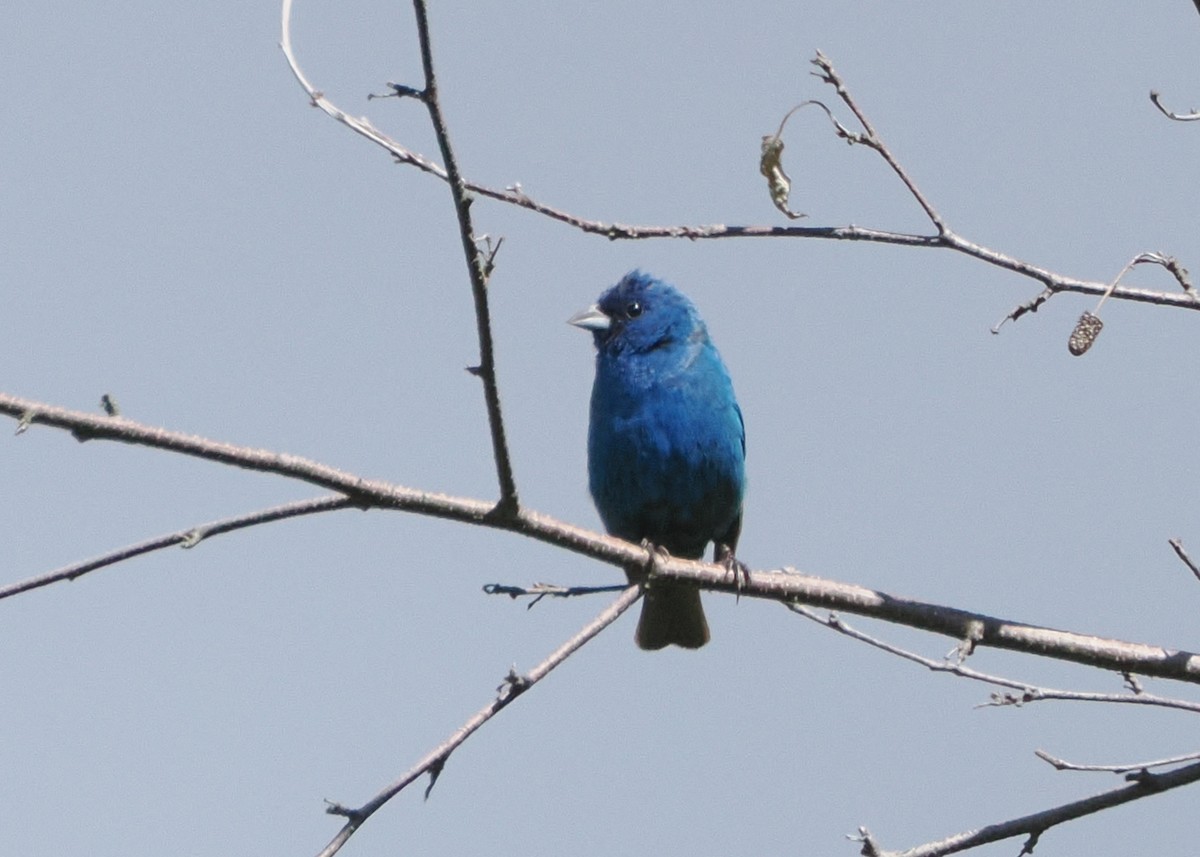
point(666, 442)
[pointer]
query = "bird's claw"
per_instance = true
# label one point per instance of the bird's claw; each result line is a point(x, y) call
point(733, 566)
point(657, 555)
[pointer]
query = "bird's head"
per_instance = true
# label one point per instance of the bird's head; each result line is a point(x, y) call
point(639, 314)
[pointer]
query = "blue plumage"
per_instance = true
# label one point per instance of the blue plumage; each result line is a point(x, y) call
point(666, 441)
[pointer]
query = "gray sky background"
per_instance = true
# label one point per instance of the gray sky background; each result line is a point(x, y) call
point(180, 229)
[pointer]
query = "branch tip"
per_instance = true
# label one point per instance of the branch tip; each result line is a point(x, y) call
point(399, 90)
point(1156, 98)
point(1177, 545)
point(335, 808)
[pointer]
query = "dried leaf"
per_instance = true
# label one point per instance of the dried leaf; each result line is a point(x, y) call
point(778, 182)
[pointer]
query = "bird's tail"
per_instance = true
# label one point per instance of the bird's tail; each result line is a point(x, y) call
point(671, 615)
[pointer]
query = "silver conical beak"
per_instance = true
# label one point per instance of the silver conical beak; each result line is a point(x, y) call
point(591, 319)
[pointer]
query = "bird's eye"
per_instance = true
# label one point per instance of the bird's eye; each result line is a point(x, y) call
point(633, 309)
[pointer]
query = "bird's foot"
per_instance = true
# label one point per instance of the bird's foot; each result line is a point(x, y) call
point(733, 566)
point(657, 555)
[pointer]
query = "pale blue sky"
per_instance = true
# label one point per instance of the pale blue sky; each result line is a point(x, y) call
point(180, 229)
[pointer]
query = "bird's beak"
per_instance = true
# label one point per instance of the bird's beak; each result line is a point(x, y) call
point(591, 319)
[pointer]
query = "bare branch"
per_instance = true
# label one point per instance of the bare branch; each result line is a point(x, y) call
point(478, 267)
point(946, 238)
point(828, 74)
point(955, 666)
point(783, 586)
point(1063, 765)
point(185, 538)
point(1040, 694)
point(1036, 824)
point(981, 630)
point(513, 686)
point(363, 493)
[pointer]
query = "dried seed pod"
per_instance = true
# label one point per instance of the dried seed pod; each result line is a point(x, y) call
point(1086, 330)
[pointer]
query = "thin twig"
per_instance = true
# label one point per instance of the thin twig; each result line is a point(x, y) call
point(873, 140)
point(1173, 267)
point(1042, 694)
point(477, 268)
point(541, 590)
point(514, 685)
point(956, 666)
point(358, 125)
point(186, 538)
point(1064, 765)
point(1031, 305)
point(1036, 824)
point(1183, 555)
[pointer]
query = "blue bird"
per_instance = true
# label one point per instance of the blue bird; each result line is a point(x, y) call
point(666, 442)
